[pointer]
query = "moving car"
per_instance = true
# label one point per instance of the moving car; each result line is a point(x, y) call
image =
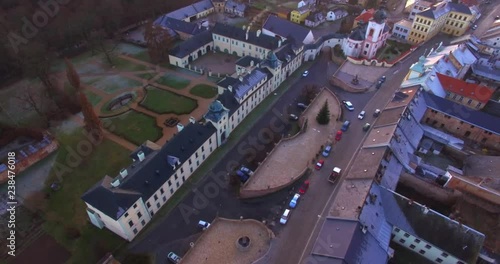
point(304, 187)
point(319, 164)
point(172, 257)
point(305, 74)
point(379, 84)
point(366, 127)
point(335, 175)
point(382, 79)
point(293, 117)
point(285, 216)
point(301, 105)
point(294, 201)
point(203, 224)
point(345, 126)
point(348, 105)
point(361, 115)
point(326, 151)
point(376, 113)
point(338, 136)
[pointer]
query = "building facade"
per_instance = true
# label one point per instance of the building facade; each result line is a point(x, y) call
point(235, 8)
point(315, 19)
point(458, 21)
point(300, 14)
point(401, 29)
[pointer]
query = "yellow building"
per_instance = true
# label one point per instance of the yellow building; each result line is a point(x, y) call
point(449, 18)
point(299, 15)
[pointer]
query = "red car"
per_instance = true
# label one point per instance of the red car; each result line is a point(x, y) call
point(319, 164)
point(304, 187)
point(338, 136)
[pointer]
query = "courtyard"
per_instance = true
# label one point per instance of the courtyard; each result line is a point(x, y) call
point(219, 62)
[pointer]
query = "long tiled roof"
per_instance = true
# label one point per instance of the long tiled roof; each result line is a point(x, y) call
point(237, 33)
point(463, 113)
point(180, 25)
point(460, 8)
point(191, 10)
point(242, 87)
point(285, 28)
point(246, 60)
point(240, 7)
point(470, 90)
point(146, 177)
point(190, 45)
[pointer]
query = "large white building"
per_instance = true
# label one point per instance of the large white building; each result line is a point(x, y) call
point(366, 39)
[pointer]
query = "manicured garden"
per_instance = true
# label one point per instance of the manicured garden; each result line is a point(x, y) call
point(126, 65)
point(173, 81)
point(112, 83)
point(392, 50)
point(164, 102)
point(135, 127)
point(203, 90)
point(66, 218)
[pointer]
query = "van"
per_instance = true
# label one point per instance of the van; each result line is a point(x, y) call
point(346, 125)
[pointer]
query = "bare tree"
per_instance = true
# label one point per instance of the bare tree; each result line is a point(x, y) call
point(99, 43)
point(159, 41)
point(33, 100)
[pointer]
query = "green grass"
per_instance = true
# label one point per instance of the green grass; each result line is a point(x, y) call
point(146, 76)
point(65, 207)
point(203, 90)
point(173, 81)
point(112, 83)
point(135, 127)
point(143, 56)
point(93, 98)
point(163, 102)
point(126, 65)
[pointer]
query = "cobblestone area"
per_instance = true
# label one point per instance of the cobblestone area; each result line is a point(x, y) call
point(218, 244)
point(290, 157)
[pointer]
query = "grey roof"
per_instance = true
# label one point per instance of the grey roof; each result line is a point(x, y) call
point(286, 54)
point(245, 61)
point(342, 239)
point(463, 113)
point(228, 101)
point(461, 8)
point(216, 111)
point(359, 33)
point(145, 178)
point(319, 41)
point(190, 45)
point(484, 69)
point(262, 40)
point(241, 87)
point(240, 7)
point(203, 5)
point(227, 81)
point(145, 149)
point(435, 12)
point(179, 25)
point(286, 28)
point(191, 10)
point(440, 231)
point(315, 17)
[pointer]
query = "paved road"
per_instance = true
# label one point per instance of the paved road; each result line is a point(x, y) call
point(294, 243)
point(179, 228)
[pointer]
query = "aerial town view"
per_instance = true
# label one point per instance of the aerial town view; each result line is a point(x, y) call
point(250, 131)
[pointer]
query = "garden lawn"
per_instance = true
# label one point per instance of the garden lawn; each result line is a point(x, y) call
point(203, 90)
point(135, 127)
point(112, 83)
point(143, 56)
point(147, 75)
point(93, 98)
point(126, 65)
point(65, 209)
point(162, 102)
point(173, 81)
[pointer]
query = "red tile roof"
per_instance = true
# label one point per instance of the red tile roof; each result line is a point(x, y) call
point(473, 91)
point(366, 16)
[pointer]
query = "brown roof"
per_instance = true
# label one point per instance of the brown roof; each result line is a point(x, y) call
point(470, 90)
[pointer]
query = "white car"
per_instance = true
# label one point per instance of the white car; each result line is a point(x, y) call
point(294, 201)
point(305, 74)
point(285, 216)
point(348, 105)
point(203, 224)
point(361, 115)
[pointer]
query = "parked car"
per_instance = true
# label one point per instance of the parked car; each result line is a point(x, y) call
point(379, 84)
point(172, 257)
point(305, 74)
point(294, 201)
point(326, 151)
point(348, 105)
point(319, 164)
point(301, 105)
point(338, 136)
point(361, 115)
point(345, 125)
point(243, 176)
point(376, 113)
point(304, 187)
point(285, 216)
point(382, 79)
point(203, 224)
point(246, 170)
point(474, 27)
point(366, 127)
point(293, 117)
point(497, 17)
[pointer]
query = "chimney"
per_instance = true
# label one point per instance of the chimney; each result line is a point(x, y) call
point(240, 78)
point(192, 120)
point(123, 173)
point(244, 27)
point(279, 43)
point(115, 183)
point(180, 127)
point(157, 172)
point(258, 32)
point(246, 36)
point(141, 155)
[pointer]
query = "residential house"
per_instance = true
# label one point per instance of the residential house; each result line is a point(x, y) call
point(282, 12)
point(365, 40)
point(491, 38)
point(469, 94)
point(315, 19)
point(336, 14)
point(364, 17)
point(300, 14)
point(419, 6)
point(459, 19)
point(219, 5)
point(184, 29)
point(487, 69)
point(428, 23)
point(401, 29)
point(192, 12)
point(235, 8)
point(191, 49)
point(275, 26)
point(463, 122)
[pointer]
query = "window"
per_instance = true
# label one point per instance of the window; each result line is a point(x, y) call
point(126, 215)
point(438, 260)
point(164, 199)
point(161, 190)
point(417, 240)
point(182, 171)
point(397, 230)
point(130, 223)
point(158, 205)
point(152, 213)
point(444, 255)
point(190, 162)
point(412, 246)
point(422, 252)
point(143, 222)
point(135, 231)
point(148, 204)
point(177, 184)
point(402, 241)
point(428, 246)
point(407, 235)
point(135, 206)
point(169, 183)
point(175, 177)
point(139, 215)
point(171, 191)
point(156, 197)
